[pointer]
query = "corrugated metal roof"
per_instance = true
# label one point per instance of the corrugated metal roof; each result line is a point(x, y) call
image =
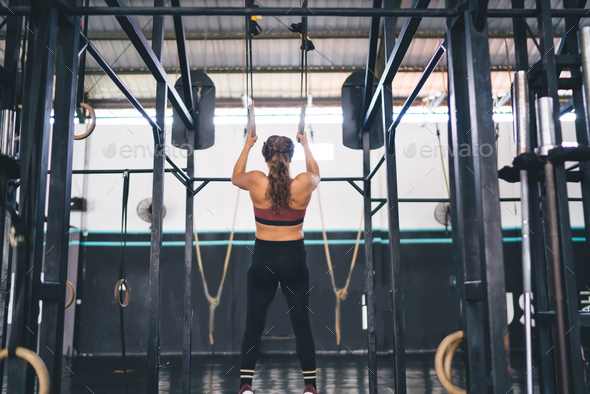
point(235, 24)
point(282, 56)
point(231, 53)
point(288, 85)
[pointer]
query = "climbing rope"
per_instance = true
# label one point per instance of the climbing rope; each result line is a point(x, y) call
point(214, 301)
point(341, 293)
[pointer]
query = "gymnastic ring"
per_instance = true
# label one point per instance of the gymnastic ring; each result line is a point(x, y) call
point(72, 294)
point(36, 362)
point(448, 361)
point(443, 357)
point(92, 126)
point(127, 293)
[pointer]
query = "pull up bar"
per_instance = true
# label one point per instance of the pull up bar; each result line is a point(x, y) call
point(319, 12)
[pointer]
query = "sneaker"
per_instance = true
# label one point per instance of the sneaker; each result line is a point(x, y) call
point(246, 389)
point(309, 389)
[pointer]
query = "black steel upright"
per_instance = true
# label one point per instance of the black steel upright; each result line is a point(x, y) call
point(11, 56)
point(34, 147)
point(582, 132)
point(573, 372)
point(58, 218)
point(187, 311)
point(543, 332)
point(369, 267)
point(475, 202)
point(153, 350)
point(399, 343)
point(369, 264)
point(9, 93)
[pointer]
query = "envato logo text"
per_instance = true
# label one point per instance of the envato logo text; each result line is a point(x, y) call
point(138, 151)
point(465, 150)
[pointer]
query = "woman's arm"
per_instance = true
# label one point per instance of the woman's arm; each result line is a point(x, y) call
point(240, 177)
point(312, 176)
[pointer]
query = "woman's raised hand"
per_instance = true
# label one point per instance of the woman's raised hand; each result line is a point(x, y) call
point(250, 141)
point(302, 138)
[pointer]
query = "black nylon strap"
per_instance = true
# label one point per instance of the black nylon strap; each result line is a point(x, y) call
point(124, 223)
point(249, 68)
point(122, 269)
point(304, 49)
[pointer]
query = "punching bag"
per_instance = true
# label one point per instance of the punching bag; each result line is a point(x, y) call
point(353, 91)
point(204, 101)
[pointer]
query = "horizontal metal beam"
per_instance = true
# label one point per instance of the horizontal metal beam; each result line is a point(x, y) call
point(261, 102)
point(319, 35)
point(238, 70)
point(143, 48)
point(395, 59)
point(227, 102)
point(267, 11)
point(319, 12)
point(287, 70)
point(323, 35)
point(14, 10)
point(304, 11)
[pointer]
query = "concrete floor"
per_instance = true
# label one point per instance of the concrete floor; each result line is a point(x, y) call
point(345, 374)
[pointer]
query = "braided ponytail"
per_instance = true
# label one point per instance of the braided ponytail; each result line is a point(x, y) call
point(278, 151)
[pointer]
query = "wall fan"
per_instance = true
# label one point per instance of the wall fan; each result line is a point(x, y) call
point(144, 210)
point(442, 214)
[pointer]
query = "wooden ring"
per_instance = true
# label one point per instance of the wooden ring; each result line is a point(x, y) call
point(72, 294)
point(92, 126)
point(448, 361)
point(122, 282)
point(443, 357)
point(36, 362)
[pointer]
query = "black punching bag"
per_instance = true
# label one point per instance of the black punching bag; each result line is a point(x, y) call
point(353, 91)
point(204, 101)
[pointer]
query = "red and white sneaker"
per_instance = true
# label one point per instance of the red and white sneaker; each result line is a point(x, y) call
point(309, 389)
point(246, 389)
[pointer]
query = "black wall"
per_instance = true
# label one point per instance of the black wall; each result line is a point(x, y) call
point(431, 308)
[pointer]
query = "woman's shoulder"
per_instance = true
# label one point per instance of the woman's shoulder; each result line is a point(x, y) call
point(259, 174)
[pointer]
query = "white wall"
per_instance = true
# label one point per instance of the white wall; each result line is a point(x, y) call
point(419, 172)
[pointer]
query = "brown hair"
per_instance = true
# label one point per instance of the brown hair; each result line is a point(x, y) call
point(277, 152)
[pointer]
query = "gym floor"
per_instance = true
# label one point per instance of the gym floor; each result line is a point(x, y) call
point(345, 374)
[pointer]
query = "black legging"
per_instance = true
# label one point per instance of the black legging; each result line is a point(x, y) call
point(273, 262)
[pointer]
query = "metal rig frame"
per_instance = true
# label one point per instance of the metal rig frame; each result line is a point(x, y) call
point(55, 29)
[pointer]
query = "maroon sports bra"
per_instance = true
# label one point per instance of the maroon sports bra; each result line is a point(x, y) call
point(290, 217)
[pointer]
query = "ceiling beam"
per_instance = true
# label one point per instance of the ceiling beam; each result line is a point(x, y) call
point(226, 102)
point(120, 36)
point(283, 70)
point(262, 102)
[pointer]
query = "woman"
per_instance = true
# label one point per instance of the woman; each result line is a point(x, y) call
point(279, 254)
